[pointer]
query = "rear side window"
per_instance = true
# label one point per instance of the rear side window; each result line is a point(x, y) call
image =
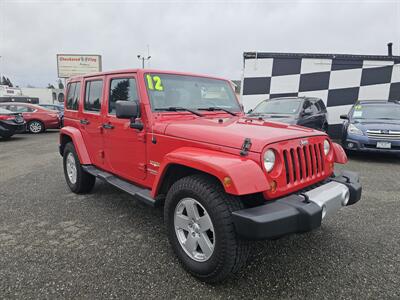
point(121, 89)
point(75, 103)
point(321, 105)
point(70, 95)
point(93, 93)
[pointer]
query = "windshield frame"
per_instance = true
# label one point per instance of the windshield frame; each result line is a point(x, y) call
point(230, 90)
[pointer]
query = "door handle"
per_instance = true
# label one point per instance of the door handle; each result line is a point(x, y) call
point(84, 121)
point(107, 126)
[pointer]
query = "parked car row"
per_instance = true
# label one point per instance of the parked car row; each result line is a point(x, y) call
point(21, 117)
point(370, 125)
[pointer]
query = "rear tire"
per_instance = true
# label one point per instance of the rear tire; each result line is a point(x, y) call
point(78, 180)
point(36, 127)
point(228, 252)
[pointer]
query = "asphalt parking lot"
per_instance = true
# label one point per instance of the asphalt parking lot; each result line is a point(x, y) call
point(55, 244)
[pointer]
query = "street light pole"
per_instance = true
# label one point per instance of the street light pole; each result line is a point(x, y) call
point(143, 58)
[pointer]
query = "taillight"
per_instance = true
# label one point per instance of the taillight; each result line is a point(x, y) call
point(6, 118)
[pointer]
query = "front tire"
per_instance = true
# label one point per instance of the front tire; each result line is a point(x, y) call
point(78, 180)
point(198, 216)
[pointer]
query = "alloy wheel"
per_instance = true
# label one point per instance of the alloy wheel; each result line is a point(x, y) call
point(194, 229)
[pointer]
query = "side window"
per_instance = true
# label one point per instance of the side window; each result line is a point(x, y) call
point(21, 109)
point(314, 109)
point(93, 93)
point(121, 89)
point(75, 102)
point(321, 106)
point(70, 95)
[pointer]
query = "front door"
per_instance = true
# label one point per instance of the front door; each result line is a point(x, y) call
point(125, 151)
point(91, 119)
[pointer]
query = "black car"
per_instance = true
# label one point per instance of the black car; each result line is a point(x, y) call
point(372, 126)
point(11, 123)
point(304, 111)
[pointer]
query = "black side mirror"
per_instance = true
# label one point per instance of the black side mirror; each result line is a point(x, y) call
point(344, 117)
point(127, 109)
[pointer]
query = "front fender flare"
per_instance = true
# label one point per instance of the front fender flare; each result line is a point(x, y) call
point(247, 177)
point(339, 155)
point(79, 144)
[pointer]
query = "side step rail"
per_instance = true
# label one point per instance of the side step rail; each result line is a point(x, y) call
point(139, 193)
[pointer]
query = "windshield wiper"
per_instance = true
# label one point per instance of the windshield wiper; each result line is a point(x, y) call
point(214, 108)
point(175, 108)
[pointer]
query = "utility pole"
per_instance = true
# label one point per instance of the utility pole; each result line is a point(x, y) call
point(143, 58)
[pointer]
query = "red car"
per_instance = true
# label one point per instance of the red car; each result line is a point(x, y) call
point(37, 118)
point(182, 141)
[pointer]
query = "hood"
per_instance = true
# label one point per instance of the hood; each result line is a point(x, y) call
point(231, 132)
point(378, 124)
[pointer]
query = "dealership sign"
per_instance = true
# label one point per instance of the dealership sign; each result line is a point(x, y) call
point(69, 65)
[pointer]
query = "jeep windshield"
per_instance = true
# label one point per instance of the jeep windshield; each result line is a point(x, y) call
point(277, 107)
point(376, 111)
point(171, 92)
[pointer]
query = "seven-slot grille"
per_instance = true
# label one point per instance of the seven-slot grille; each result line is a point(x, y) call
point(303, 163)
point(383, 135)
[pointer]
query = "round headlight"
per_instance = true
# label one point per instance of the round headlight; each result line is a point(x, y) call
point(327, 147)
point(269, 160)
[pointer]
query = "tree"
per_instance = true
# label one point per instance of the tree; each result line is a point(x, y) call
point(60, 84)
point(6, 81)
point(3, 81)
point(9, 83)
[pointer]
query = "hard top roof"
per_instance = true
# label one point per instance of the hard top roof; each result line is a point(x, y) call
point(142, 71)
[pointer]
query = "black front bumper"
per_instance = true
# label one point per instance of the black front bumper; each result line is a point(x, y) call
point(8, 127)
point(291, 214)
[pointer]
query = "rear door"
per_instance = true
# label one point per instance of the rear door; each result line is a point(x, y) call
point(90, 119)
point(124, 147)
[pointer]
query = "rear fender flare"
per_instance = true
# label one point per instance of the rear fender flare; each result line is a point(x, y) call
point(247, 177)
point(79, 144)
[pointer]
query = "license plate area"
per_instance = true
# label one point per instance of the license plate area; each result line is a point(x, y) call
point(384, 145)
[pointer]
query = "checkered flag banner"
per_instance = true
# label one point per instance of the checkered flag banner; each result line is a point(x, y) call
point(338, 79)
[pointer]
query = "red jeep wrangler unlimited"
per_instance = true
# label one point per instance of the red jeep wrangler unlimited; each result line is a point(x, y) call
point(182, 140)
